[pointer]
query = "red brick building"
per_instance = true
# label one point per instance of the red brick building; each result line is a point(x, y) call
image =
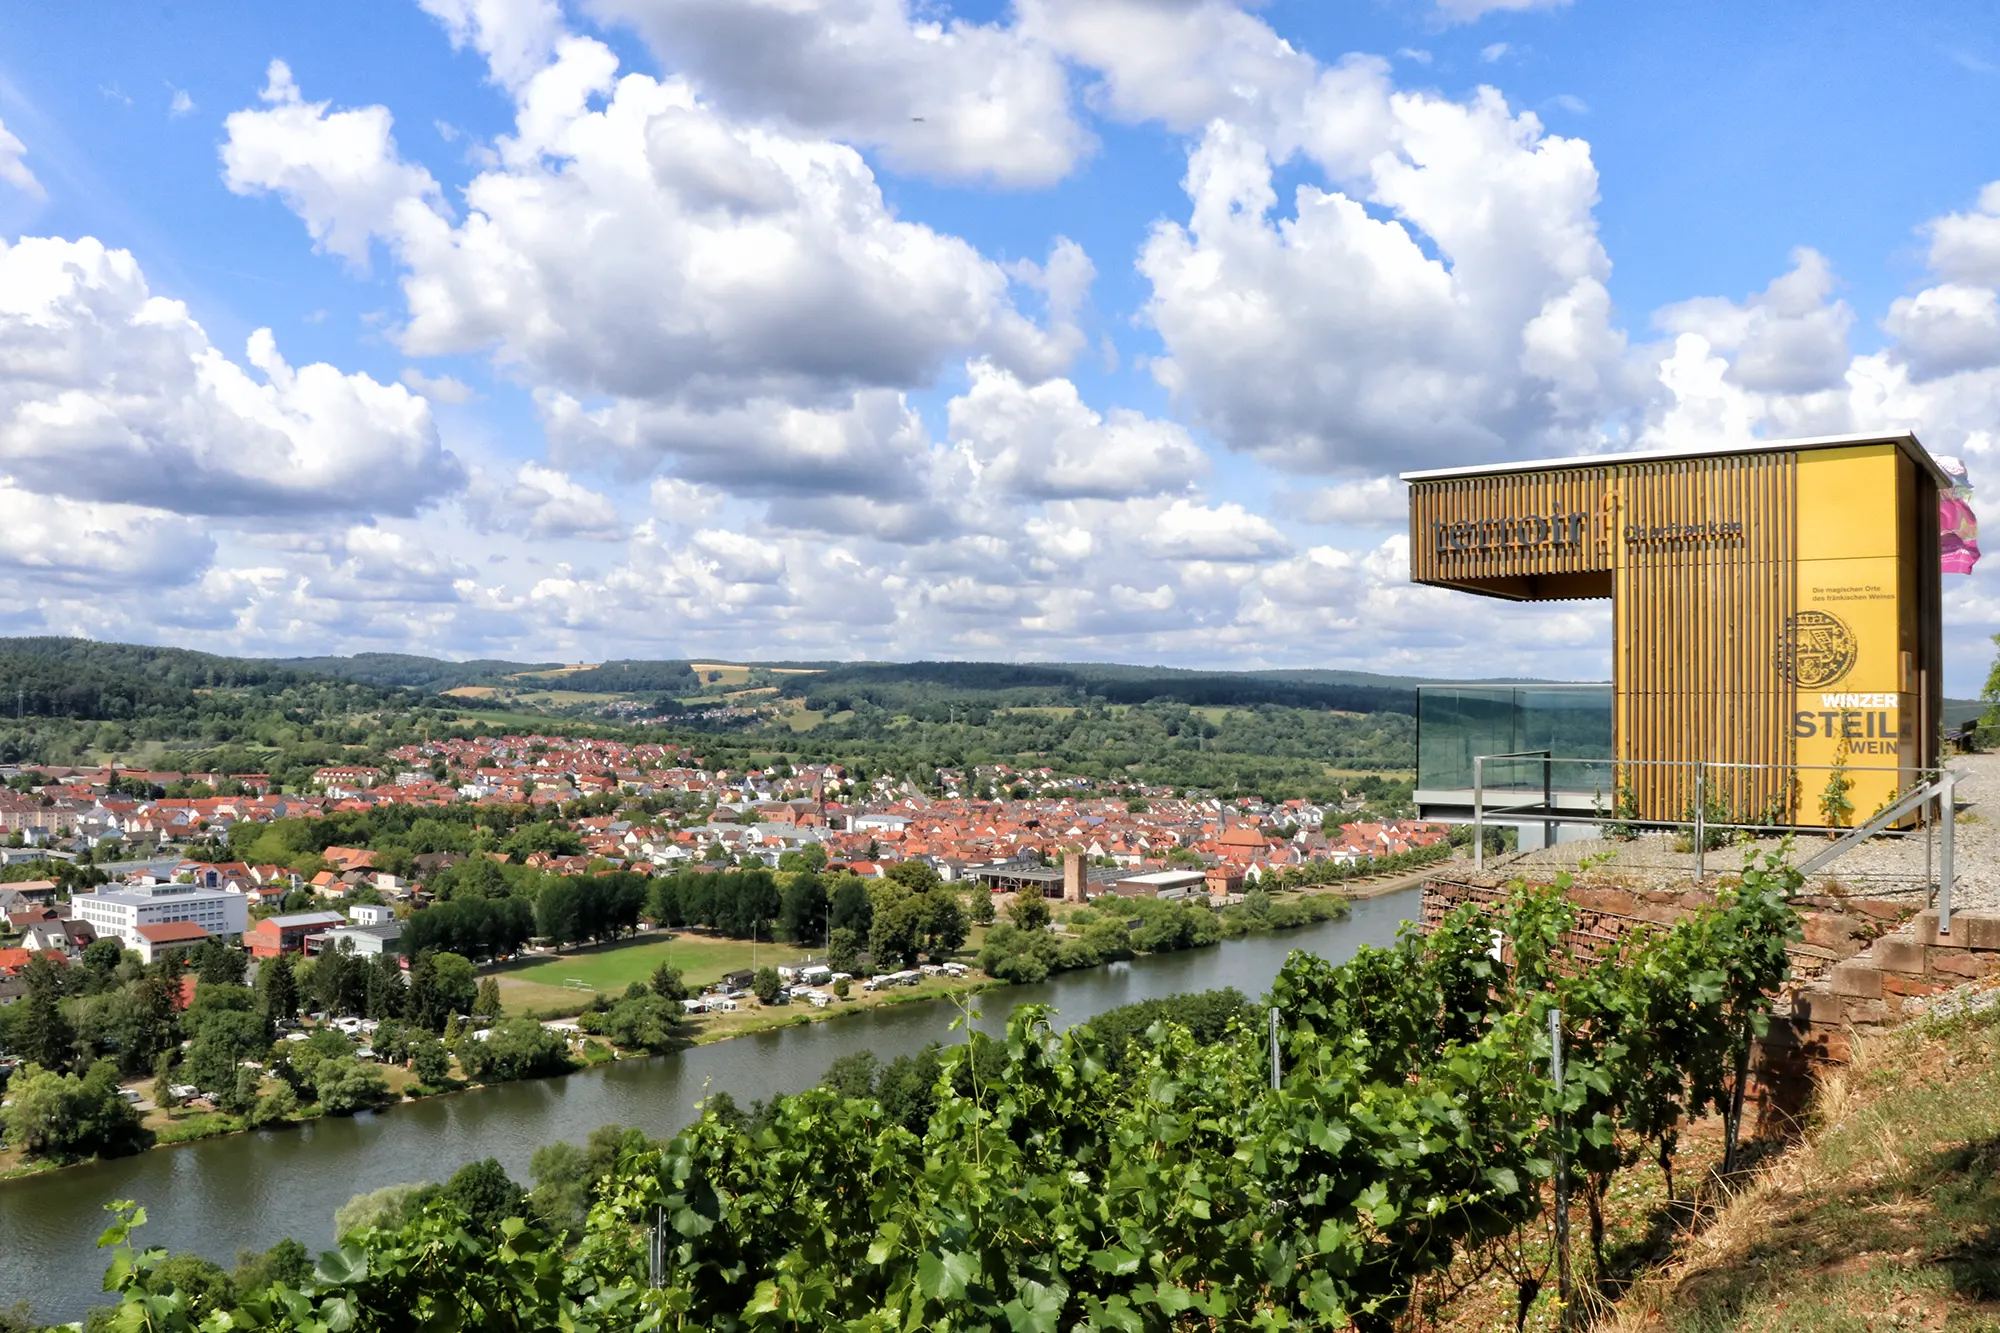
point(287, 934)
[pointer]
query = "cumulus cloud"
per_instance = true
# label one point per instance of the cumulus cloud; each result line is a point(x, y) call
point(648, 247)
point(1471, 322)
point(440, 388)
point(1373, 502)
point(939, 97)
point(339, 171)
point(872, 443)
point(1965, 247)
point(688, 503)
point(55, 541)
point(13, 170)
point(1789, 338)
point(109, 393)
point(543, 503)
point(1777, 363)
point(379, 565)
point(1180, 62)
point(1187, 530)
point(515, 37)
point(1043, 442)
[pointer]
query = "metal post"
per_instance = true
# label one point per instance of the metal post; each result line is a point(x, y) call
point(1562, 1166)
point(1478, 814)
point(1277, 1073)
point(1930, 856)
point(1700, 820)
point(1947, 870)
point(1548, 797)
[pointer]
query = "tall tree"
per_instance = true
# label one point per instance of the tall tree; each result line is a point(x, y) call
point(851, 908)
point(387, 995)
point(802, 913)
point(278, 989)
point(220, 963)
point(45, 1035)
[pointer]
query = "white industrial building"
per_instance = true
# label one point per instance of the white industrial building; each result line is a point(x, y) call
point(122, 910)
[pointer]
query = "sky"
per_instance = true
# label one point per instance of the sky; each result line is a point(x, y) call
point(998, 329)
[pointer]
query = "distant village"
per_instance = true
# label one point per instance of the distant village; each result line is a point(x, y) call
point(152, 837)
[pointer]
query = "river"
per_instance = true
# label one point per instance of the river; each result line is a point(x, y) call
point(248, 1191)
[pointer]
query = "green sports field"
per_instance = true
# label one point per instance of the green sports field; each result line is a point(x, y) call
point(539, 984)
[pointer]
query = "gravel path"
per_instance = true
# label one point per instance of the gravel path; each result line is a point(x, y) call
point(1883, 866)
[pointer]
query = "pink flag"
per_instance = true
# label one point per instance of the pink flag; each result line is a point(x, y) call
point(1958, 526)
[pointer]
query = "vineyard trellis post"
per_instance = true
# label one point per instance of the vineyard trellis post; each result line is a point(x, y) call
point(1277, 1073)
point(1564, 1291)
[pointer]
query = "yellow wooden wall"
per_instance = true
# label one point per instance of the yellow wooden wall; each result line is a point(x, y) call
point(1697, 624)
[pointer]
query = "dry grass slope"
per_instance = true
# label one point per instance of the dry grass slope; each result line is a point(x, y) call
point(1887, 1215)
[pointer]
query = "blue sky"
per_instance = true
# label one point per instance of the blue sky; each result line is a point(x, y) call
point(886, 328)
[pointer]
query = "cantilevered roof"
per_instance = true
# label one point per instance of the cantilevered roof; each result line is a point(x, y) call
point(1905, 441)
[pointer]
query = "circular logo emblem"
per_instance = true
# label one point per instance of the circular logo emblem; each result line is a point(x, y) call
point(1816, 650)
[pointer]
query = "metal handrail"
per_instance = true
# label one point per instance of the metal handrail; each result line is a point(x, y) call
point(1938, 785)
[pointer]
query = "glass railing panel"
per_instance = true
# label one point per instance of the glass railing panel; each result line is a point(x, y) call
point(1457, 722)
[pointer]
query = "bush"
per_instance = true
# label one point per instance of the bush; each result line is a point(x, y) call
point(274, 1107)
point(345, 1085)
point(285, 1262)
point(387, 1208)
point(1017, 956)
point(486, 1192)
point(767, 986)
point(515, 1049)
point(430, 1061)
point(646, 1022)
point(64, 1118)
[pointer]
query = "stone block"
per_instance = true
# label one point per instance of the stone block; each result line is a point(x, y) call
point(1819, 1006)
point(1862, 1012)
point(1899, 953)
point(1617, 901)
point(1844, 935)
point(1897, 985)
point(1881, 909)
point(1963, 963)
point(1976, 930)
point(1856, 980)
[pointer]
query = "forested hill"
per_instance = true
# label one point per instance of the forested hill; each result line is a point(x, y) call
point(83, 678)
point(914, 687)
point(79, 678)
point(413, 672)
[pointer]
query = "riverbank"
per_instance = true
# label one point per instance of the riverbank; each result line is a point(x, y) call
point(634, 956)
